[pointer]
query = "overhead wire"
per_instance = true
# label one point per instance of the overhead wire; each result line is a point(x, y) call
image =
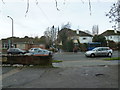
point(43, 12)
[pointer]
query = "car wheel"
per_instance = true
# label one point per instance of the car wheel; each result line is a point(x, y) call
point(92, 55)
point(49, 54)
point(9, 53)
point(109, 54)
point(21, 53)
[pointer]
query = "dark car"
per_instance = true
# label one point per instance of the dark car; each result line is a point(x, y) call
point(15, 51)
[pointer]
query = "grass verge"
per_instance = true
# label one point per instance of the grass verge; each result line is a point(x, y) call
point(56, 61)
point(114, 58)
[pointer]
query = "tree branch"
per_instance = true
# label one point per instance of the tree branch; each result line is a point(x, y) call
point(90, 6)
point(57, 5)
point(3, 1)
point(64, 2)
point(82, 1)
point(36, 2)
point(27, 8)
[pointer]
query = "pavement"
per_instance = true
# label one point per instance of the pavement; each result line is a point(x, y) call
point(76, 71)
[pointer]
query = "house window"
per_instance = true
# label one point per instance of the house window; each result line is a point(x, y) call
point(111, 37)
point(5, 46)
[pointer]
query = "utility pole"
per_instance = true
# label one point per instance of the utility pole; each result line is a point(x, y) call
point(12, 30)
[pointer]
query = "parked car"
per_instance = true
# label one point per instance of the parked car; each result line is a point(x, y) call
point(15, 51)
point(34, 50)
point(39, 51)
point(99, 51)
point(44, 52)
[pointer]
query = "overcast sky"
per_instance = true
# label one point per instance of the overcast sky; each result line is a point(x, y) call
point(45, 14)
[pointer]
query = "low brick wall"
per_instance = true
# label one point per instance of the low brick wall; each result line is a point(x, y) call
point(28, 60)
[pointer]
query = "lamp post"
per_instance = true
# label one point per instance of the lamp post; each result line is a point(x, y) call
point(12, 30)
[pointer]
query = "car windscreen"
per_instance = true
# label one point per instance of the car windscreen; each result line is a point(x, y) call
point(95, 49)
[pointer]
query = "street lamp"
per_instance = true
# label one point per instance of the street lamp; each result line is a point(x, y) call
point(12, 30)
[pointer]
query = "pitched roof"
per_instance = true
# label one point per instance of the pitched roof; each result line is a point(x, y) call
point(82, 33)
point(73, 32)
point(69, 32)
point(110, 32)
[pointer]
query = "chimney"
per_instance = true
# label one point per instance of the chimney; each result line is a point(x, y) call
point(77, 31)
point(115, 31)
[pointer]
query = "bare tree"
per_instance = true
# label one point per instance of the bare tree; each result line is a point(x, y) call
point(68, 25)
point(47, 35)
point(114, 14)
point(56, 4)
point(51, 35)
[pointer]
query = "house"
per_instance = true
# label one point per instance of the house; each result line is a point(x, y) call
point(38, 45)
point(65, 34)
point(83, 37)
point(22, 43)
point(17, 43)
point(76, 35)
point(112, 35)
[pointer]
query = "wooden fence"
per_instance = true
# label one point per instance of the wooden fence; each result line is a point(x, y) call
point(27, 60)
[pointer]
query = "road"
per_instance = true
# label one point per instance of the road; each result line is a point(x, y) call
point(76, 71)
point(78, 56)
point(78, 59)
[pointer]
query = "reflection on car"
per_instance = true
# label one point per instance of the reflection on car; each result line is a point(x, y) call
point(34, 50)
point(15, 51)
point(99, 51)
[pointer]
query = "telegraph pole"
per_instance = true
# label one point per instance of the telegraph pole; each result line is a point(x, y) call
point(12, 31)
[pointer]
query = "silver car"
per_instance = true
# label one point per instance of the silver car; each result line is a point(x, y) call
point(34, 50)
point(42, 52)
point(99, 51)
point(39, 51)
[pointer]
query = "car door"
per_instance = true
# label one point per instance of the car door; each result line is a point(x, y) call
point(16, 51)
point(105, 51)
point(38, 52)
point(99, 52)
point(13, 51)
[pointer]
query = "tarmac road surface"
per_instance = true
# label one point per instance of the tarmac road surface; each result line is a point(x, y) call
point(76, 71)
